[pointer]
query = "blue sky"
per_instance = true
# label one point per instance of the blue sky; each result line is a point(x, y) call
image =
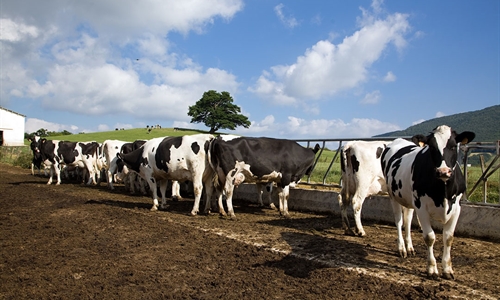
point(297, 69)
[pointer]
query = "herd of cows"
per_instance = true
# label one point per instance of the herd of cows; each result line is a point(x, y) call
point(422, 175)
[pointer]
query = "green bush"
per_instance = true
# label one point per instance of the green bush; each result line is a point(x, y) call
point(23, 160)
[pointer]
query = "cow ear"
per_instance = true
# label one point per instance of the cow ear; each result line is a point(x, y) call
point(380, 150)
point(419, 140)
point(465, 137)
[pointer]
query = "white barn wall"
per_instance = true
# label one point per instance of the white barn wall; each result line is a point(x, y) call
point(12, 125)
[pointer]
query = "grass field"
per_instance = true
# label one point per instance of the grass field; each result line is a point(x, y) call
point(21, 156)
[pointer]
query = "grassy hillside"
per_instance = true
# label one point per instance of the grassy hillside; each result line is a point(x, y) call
point(484, 123)
point(128, 135)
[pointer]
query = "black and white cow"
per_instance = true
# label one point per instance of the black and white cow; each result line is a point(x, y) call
point(264, 160)
point(36, 162)
point(361, 177)
point(56, 154)
point(110, 148)
point(131, 179)
point(173, 158)
point(92, 160)
point(428, 180)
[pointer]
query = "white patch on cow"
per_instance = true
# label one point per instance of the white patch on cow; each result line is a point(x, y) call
point(357, 185)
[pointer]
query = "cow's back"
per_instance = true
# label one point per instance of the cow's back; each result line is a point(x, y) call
point(362, 167)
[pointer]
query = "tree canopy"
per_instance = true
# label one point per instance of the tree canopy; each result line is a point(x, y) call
point(217, 111)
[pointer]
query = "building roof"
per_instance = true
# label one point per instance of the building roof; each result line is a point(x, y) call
point(3, 108)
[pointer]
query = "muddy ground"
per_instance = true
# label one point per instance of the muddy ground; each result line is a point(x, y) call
point(85, 242)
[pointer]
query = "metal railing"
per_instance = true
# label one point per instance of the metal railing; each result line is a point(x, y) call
point(487, 171)
point(466, 152)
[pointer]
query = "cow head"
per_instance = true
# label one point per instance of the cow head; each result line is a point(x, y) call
point(35, 145)
point(442, 144)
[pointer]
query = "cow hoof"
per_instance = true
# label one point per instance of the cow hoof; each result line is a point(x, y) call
point(448, 276)
point(154, 208)
point(361, 234)
point(349, 232)
point(175, 198)
point(193, 213)
point(433, 276)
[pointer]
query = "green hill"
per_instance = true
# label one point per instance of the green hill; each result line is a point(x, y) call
point(128, 135)
point(485, 123)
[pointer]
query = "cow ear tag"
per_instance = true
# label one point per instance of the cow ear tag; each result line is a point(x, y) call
point(465, 141)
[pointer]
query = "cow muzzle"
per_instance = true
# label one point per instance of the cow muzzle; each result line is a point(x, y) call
point(444, 173)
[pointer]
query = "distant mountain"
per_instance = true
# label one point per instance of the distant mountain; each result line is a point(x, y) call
point(485, 123)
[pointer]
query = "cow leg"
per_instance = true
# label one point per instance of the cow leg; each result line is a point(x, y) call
point(51, 174)
point(448, 236)
point(284, 194)
point(357, 205)
point(163, 191)
point(398, 219)
point(210, 191)
point(91, 176)
point(408, 216)
point(429, 239)
point(222, 212)
point(109, 178)
point(260, 191)
point(229, 203)
point(343, 203)
point(198, 189)
point(176, 190)
point(152, 187)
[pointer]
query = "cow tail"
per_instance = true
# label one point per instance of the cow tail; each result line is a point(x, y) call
point(213, 165)
point(345, 164)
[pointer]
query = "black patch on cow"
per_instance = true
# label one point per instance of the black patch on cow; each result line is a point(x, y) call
point(195, 147)
point(67, 150)
point(354, 163)
point(47, 150)
point(342, 163)
point(163, 154)
point(133, 159)
point(263, 155)
point(395, 162)
point(89, 148)
point(127, 148)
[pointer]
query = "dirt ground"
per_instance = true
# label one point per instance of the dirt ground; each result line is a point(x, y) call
point(86, 242)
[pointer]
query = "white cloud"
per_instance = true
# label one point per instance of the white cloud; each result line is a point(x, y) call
point(297, 128)
point(326, 69)
point(389, 77)
point(103, 127)
point(86, 73)
point(288, 21)
point(14, 32)
point(417, 122)
point(372, 98)
point(440, 114)
point(33, 124)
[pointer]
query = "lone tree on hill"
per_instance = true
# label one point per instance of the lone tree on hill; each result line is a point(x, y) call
point(217, 111)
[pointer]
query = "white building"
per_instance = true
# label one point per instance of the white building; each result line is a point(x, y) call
point(11, 128)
